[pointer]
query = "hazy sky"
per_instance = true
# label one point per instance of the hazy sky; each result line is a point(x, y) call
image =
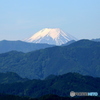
point(20, 19)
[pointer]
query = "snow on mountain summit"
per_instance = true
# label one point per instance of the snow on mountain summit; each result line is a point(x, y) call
point(53, 36)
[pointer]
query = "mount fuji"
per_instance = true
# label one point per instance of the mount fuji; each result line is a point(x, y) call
point(53, 36)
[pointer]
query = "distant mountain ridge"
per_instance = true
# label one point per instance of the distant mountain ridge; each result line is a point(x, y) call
point(80, 56)
point(6, 46)
point(96, 40)
point(53, 36)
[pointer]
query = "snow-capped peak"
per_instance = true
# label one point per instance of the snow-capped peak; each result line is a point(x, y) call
point(51, 36)
point(54, 33)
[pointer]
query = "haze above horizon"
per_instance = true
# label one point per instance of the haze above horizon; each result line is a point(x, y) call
point(20, 19)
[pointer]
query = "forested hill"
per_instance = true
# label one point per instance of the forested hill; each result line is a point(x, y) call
point(60, 85)
point(82, 56)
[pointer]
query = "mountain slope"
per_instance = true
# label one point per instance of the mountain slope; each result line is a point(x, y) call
point(82, 56)
point(10, 77)
point(51, 36)
point(6, 46)
point(60, 85)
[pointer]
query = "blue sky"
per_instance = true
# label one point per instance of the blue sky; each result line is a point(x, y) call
point(20, 19)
